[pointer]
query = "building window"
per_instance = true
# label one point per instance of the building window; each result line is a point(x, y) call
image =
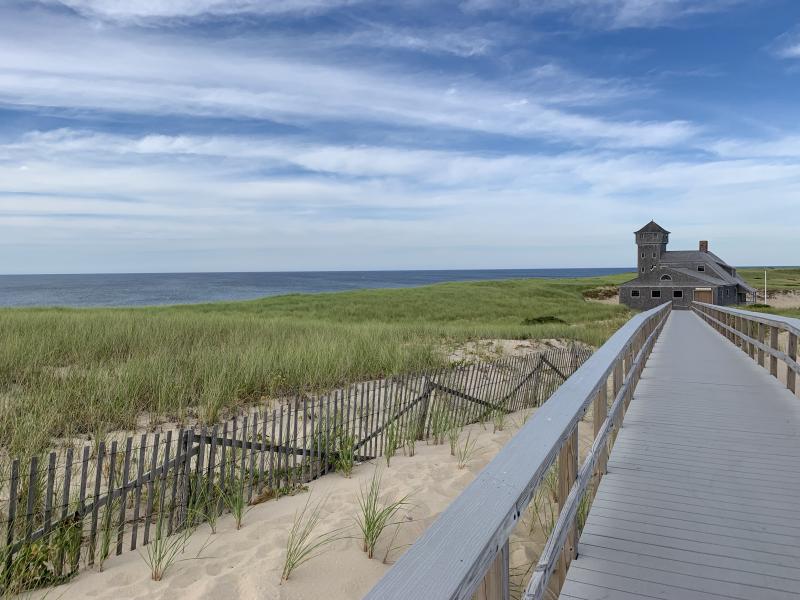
point(727, 292)
point(642, 269)
point(635, 293)
point(666, 278)
point(654, 254)
point(655, 293)
point(677, 293)
point(701, 267)
point(642, 254)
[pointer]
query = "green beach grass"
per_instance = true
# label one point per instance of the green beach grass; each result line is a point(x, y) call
point(778, 278)
point(66, 372)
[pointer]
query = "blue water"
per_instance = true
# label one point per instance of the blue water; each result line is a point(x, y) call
point(145, 289)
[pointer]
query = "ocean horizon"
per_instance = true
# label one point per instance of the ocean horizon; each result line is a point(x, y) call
point(154, 289)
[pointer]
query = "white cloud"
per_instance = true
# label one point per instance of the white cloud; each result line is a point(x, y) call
point(439, 184)
point(160, 75)
point(464, 42)
point(147, 10)
point(367, 206)
point(787, 45)
point(782, 147)
point(612, 14)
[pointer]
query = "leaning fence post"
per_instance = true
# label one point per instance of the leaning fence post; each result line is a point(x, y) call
point(423, 410)
point(12, 515)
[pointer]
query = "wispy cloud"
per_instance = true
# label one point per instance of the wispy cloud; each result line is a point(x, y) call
point(787, 45)
point(273, 195)
point(153, 10)
point(159, 74)
point(464, 42)
point(286, 135)
point(611, 14)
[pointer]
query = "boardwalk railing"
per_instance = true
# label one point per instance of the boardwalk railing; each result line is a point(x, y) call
point(81, 505)
point(465, 552)
point(765, 338)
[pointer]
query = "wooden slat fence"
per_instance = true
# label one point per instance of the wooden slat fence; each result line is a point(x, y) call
point(77, 507)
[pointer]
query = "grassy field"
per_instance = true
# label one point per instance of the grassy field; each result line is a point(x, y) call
point(778, 278)
point(786, 312)
point(77, 371)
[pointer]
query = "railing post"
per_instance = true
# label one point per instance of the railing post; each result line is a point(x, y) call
point(616, 385)
point(751, 349)
point(740, 328)
point(762, 336)
point(773, 343)
point(791, 376)
point(567, 473)
point(598, 418)
point(495, 584)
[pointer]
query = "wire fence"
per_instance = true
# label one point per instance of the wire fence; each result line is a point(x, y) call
point(75, 508)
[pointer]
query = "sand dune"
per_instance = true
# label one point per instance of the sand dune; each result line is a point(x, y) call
point(247, 563)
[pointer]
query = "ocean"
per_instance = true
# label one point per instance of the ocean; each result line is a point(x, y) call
point(148, 289)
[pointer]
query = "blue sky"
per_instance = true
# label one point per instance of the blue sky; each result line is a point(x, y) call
point(260, 135)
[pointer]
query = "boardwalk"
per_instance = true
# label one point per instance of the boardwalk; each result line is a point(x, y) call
point(702, 495)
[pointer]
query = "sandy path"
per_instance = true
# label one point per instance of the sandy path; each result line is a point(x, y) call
point(247, 563)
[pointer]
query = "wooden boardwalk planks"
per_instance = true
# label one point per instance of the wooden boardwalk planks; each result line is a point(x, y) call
point(701, 495)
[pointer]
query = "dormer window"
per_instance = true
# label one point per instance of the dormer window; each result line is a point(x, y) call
point(701, 267)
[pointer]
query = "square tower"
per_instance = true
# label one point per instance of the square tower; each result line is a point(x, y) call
point(651, 240)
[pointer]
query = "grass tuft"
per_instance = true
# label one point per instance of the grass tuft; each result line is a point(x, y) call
point(301, 544)
point(374, 515)
point(466, 451)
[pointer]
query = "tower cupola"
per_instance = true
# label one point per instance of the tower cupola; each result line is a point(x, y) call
point(651, 240)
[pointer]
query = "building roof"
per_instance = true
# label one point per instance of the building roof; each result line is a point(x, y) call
point(652, 227)
point(719, 270)
point(701, 276)
point(697, 278)
point(694, 256)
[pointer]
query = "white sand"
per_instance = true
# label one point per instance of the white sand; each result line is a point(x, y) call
point(247, 563)
point(782, 299)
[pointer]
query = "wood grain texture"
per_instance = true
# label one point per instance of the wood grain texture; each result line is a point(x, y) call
point(700, 493)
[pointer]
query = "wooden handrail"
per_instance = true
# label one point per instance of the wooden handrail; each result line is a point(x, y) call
point(468, 544)
point(555, 543)
point(738, 326)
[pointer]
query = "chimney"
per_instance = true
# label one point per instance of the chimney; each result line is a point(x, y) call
point(703, 245)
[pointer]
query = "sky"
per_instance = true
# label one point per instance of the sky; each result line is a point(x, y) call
point(276, 135)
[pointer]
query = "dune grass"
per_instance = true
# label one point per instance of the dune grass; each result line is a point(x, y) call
point(786, 312)
point(778, 278)
point(66, 372)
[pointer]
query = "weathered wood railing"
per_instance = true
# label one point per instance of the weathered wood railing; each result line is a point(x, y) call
point(758, 335)
point(465, 552)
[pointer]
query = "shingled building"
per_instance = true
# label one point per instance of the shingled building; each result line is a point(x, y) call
point(680, 276)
